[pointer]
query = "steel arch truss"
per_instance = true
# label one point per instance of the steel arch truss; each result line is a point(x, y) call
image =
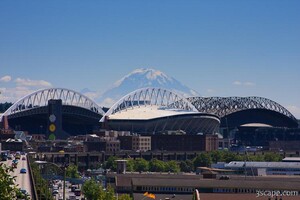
point(163, 98)
point(40, 98)
point(222, 106)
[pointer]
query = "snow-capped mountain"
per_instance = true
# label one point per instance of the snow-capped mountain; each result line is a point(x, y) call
point(141, 78)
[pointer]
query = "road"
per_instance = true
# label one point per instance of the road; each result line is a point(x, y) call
point(69, 193)
point(22, 180)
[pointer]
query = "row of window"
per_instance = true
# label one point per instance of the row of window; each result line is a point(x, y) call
point(137, 144)
point(233, 190)
point(166, 189)
point(113, 144)
point(112, 149)
point(141, 148)
point(141, 139)
point(283, 169)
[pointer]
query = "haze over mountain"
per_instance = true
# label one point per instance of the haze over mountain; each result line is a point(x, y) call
point(139, 78)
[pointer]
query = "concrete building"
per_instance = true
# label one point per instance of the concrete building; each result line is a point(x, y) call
point(13, 145)
point(141, 143)
point(265, 168)
point(112, 145)
point(184, 142)
point(182, 186)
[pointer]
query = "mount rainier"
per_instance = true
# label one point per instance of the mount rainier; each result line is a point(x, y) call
point(137, 79)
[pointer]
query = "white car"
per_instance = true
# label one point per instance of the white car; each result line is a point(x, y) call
point(55, 192)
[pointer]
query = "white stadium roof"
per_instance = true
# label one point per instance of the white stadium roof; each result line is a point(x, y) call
point(148, 112)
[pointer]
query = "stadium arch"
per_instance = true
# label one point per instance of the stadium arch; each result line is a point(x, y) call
point(33, 111)
point(237, 111)
point(157, 110)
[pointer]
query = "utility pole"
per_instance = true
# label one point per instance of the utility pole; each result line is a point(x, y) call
point(64, 186)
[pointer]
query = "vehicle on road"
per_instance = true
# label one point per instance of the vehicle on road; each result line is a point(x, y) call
point(9, 156)
point(72, 197)
point(24, 191)
point(4, 156)
point(14, 165)
point(23, 171)
point(77, 192)
point(73, 188)
point(18, 156)
point(55, 192)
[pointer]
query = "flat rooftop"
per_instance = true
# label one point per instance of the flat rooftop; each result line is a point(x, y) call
point(196, 181)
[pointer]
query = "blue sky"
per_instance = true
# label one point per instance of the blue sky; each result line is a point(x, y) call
point(218, 48)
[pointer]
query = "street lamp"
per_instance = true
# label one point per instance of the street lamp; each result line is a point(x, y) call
point(64, 171)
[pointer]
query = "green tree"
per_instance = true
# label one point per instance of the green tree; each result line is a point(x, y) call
point(8, 190)
point(92, 190)
point(109, 194)
point(186, 166)
point(4, 106)
point(156, 165)
point(202, 160)
point(141, 164)
point(230, 156)
point(111, 163)
point(40, 183)
point(130, 165)
point(259, 157)
point(272, 157)
point(124, 197)
point(72, 171)
point(216, 156)
point(172, 166)
point(253, 157)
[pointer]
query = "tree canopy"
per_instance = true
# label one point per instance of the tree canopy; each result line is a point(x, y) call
point(8, 189)
point(204, 159)
point(93, 190)
point(72, 171)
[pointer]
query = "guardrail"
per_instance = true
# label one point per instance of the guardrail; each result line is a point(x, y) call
point(32, 182)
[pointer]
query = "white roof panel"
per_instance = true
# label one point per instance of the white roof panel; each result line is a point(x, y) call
point(241, 164)
point(147, 112)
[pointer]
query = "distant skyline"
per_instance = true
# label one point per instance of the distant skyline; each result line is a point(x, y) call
point(217, 48)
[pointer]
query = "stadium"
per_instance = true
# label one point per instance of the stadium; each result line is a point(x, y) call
point(64, 113)
point(57, 111)
point(157, 111)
